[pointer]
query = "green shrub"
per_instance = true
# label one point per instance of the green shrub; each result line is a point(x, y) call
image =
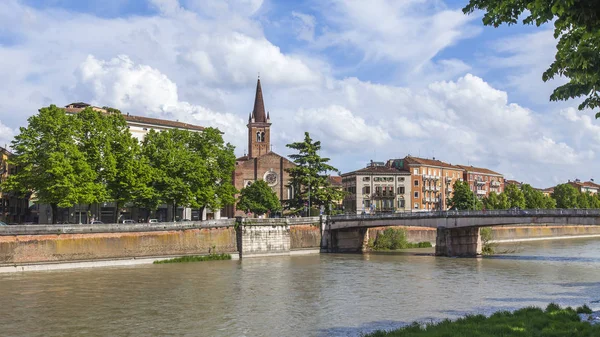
point(486, 236)
point(584, 309)
point(392, 238)
point(196, 258)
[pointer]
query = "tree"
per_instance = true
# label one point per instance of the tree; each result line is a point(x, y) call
point(515, 196)
point(190, 168)
point(52, 166)
point(258, 198)
point(463, 198)
point(115, 155)
point(491, 201)
point(576, 25)
point(533, 198)
point(309, 178)
point(565, 196)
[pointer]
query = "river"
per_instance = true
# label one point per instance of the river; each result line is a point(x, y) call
point(318, 295)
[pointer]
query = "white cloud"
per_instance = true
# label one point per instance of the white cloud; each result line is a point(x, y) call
point(6, 135)
point(305, 28)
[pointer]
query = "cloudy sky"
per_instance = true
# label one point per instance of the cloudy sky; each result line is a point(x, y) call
point(372, 79)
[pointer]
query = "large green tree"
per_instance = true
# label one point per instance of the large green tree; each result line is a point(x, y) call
point(577, 28)
point(515, 196)
point(463, 198)
point(309, 178)
point(190, 168)
point(566, 196)
point(115, 155)
point(258, 198)
point(51, 165)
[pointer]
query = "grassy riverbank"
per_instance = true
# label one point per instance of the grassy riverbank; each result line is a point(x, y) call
point(196, 258)
point(552, 322)
point(392, 239)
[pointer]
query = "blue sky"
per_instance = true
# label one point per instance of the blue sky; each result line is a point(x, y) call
point(371, 80)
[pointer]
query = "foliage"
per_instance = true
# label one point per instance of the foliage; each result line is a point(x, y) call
point(258, 198)
point(535, 198)
point(486, 237)
point(190, 168)
point(529, 321)
point(566, 196)
point(196, 258)
point(115, 155)
point(496, 201)
point(516, 197)
point(52, 166)
point(309, 176)
point(577, 28)
point(392, 238)
point(463, 198)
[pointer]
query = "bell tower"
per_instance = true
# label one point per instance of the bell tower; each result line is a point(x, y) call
point(259, 127)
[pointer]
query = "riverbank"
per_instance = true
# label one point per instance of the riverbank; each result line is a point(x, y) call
point(530, 321)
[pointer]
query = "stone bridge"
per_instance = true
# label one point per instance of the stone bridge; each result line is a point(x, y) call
point(457, 231)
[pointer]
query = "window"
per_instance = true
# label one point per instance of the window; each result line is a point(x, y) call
point(416, 206)
point(401, 179)
point(416, 171)
point(367, 203)
point(366, 179)
point(377, 190)
point(416, 195)
point(367, 190)
point(401, 190)
point(416, 183)
point(400, 203)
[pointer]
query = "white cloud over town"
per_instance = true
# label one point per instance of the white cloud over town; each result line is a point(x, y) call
point(197, 61)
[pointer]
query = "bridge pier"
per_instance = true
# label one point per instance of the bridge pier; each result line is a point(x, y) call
point(353, 240)
point(458, 241)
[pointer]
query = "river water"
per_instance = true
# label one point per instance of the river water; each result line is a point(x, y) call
point(319, 295)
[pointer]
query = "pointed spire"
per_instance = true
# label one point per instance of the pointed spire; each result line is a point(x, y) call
point(249, 117)
point(268, 116)
point(259, 106)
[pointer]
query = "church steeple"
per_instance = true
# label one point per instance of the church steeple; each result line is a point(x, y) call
point(259, 106)
point(259, 127)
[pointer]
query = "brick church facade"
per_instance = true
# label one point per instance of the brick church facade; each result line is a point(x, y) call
point(260, 163)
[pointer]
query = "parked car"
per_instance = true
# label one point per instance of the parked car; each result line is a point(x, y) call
point(3, 224)
point(128, 221)
point(153, 221)
point(96, 222)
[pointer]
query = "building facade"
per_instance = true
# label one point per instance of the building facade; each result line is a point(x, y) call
point(585, 186)
point(13, 208)
point(376, 189)
point(261, 163)
point(483, 181)
point(432, 181)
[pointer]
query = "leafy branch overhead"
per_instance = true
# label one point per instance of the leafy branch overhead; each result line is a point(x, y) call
point(577, 28)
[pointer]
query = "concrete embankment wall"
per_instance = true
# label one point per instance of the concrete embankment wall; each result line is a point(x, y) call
point(413, 234)
point(76, 243)
point(541, 232)
point(41, 244)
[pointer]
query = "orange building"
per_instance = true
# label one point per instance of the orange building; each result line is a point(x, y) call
point(431, 181)
point(482, 181)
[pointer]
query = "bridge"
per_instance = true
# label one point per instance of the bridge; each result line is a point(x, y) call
point(457, 231)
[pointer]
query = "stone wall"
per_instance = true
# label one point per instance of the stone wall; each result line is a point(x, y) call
point(413, 234)
point(28, 248)
point(305, 237)
point(514, 233)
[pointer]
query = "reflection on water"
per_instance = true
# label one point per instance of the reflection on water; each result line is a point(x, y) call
point(326, 295)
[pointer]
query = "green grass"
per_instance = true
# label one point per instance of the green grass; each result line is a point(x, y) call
point(196, 258)
point(392, 238)
point(531, 321)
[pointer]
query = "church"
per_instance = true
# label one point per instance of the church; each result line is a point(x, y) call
point(261, 163)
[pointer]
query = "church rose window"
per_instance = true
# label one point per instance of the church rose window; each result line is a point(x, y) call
point(271, 178)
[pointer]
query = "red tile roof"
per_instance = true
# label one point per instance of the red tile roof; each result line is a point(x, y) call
point(144, 120)
point(335, 181)
point(479, 170)
point(377, 169)
point(430, 162)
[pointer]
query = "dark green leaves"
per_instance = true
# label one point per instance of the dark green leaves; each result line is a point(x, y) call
point(259, 199)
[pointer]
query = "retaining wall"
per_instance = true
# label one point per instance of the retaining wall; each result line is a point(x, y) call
point(515, 233)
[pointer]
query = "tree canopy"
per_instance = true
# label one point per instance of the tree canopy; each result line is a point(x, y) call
point(566, 196)
point(577, 28)
point(463, 198)
point(309, 178)
point(51, 164)
point(258, 198)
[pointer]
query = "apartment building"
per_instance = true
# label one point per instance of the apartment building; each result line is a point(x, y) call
point(482, 181)
point(377, 188)
point(585, 186)
point(431, 181)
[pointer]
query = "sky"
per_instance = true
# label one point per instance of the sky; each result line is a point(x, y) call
point(372, 80)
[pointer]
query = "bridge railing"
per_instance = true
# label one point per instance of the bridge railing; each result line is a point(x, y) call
point(484, 213)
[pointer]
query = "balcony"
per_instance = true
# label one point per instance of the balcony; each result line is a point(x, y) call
point(383, 195)
point(479, 182)
point(448, 179)
point(481, 192)
point(495, 183)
